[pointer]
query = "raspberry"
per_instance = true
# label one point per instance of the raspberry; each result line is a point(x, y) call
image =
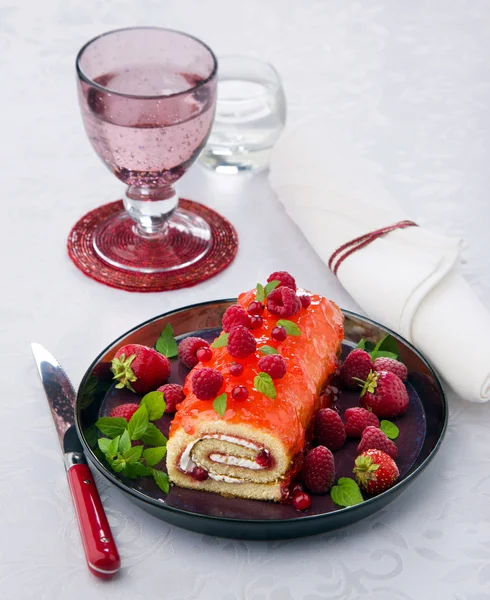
point(188, 348)
point(305, 301)
point(264, 459)
point(279, 334)
point(255, 308)
point(375, 439)
point(239, 392)
point(284, 279)
point(204, 354)
point(357, 364)
point(206, 383)
point(301, 501)
point(235, 315)
point(319, 470)
point(329, 429)
point(283, 302)
point(274, 365)
point(256, 321)
point(173, 394)
point(392, 365)
point(241, 342)
point(357, 419)
point(126, 411)
point(199, 474)
point(236, 369)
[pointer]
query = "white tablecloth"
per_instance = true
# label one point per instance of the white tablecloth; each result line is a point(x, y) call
point(409, 82)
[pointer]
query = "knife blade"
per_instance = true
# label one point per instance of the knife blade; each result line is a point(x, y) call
point(100, 548)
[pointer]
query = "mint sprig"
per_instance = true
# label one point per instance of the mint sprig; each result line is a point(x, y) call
point(271, 286)
point(138, 423)
point(221, 341)
point(290, 327)
point(389, 429)
point(346, 492)
point(219, 404)
point(387, 347)
point(264, 384)
point(112, 426)
point(268, 350)
point(155, 405)
point(166, 343)
point(260, 293)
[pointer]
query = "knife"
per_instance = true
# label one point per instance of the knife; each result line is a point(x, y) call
point(100, 548)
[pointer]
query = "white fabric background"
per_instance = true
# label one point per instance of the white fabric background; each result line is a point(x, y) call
point(409, 83)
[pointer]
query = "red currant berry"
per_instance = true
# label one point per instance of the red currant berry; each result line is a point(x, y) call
point(256, 322)
point(301, 501)
point(204, 354)
point(236, 369)
point(279, 334)
point(240, 392)
point(255, 308)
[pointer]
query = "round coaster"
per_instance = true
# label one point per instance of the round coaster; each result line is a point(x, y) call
point(223, 249)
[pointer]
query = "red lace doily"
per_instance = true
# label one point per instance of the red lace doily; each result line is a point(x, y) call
point(222, 252)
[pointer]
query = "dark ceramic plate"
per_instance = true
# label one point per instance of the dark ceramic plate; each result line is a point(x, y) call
point(421, 431)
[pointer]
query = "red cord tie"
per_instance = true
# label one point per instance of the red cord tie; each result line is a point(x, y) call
point(349, 248)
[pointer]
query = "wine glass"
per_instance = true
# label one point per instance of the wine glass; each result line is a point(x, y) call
point(148, 97)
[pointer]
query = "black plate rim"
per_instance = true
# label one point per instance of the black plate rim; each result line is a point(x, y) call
point(379, 498)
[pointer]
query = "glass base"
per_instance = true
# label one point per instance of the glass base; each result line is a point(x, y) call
point(231, 162)
point(185, 240)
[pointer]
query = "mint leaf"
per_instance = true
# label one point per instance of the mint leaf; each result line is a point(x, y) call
point(346, 492)
point(389, 429)
point(118, 464)
point(271, 286)
point(290, 327)
point(166, 343)
point(263, 383)
point(221, 341)
point(137, 469)
point(91, 436)
point(138, 423)
point(260, 293)
point(161, 479)
point(153, 436)
point(219, 404)
point(111, 426)
point(132, 455)
point(366, 345)
point(381, 353)
point(104, 444)
point(153, 456)
point(268, 350)
point(113, 447)
point(124, 443)
point(155, 404)
point(388, 344)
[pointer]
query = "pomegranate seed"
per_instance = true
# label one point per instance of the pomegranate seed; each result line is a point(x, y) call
point(305, 301)
point(240, 392)
point(204, 354)
point(301, 501)
point(256, 322)
point(236, 369)
point(199, 474)
point(255, 308)
point(279, 334)
point(296, 488)
point(263, 459)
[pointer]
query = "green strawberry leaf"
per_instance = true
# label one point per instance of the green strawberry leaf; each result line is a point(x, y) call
point(271, 286)
point(111, 426)
point(389, 429)
point(138, 423)
point(153, 456)
point(155, 404)
point(221, 341)
point(268, 350)
point(260, 293)
point(161, 479)
point(366, 345)
point(346, 492)
point(219, 404)
point(124, 443)
point(153, 436)
point(290, 327)
point(264, 384)
point(166, 343)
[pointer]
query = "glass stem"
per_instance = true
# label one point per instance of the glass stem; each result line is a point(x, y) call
point(150, 208)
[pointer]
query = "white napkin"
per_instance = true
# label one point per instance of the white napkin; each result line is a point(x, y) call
point(406, 279)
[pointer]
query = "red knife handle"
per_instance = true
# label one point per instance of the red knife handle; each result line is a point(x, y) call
point(100, 548)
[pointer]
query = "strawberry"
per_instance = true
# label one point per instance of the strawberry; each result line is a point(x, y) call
point(357, 419)
point(375, 471)
point(139, 368)
point(392, 365)
point(357, 365)
point(385, 394)
point(375, 439)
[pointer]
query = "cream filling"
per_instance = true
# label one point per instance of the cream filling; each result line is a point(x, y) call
point(186, 463)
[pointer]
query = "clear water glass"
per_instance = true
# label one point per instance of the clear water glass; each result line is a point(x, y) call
point(250, 115)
